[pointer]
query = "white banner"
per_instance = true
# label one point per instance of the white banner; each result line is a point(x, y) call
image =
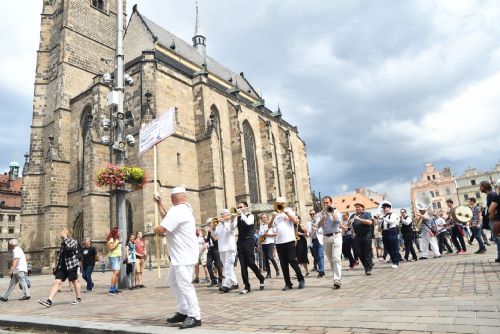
point(156, 131)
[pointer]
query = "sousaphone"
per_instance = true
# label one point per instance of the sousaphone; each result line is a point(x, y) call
point(461, 214)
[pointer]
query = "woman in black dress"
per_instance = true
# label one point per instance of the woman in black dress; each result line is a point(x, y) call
point(301, 246)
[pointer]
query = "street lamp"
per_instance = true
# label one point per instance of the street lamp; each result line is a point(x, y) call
point(149, 248)
point(116, 128)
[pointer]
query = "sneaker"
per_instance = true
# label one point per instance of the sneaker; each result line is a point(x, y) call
point(24, 298)
point(47, 303)
point(178, 317)
point(286, 288)
point(4, 299)
point(212, 283)
point(336, 285)
point(321, 274)
point(302, 284)
point(368, 272)
point(76, 301)
point(112, 292)
point(234, 287)
point(190, 322)
point(244, 291)
point(205, 280)
point(262, 285)
point(394, 266)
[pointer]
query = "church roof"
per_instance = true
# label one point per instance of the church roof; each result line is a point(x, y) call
point(189, 52)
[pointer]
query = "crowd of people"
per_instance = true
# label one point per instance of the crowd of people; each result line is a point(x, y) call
point(240, 236)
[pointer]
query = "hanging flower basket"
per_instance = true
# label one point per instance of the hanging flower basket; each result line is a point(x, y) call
point(116, 177)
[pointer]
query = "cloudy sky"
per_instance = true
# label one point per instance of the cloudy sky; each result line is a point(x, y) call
point(377, 88)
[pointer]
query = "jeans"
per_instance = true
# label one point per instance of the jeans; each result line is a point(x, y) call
point(391, 243)
point(87, 276)
point(17, 278)
point(319, 252)
point(476, 232)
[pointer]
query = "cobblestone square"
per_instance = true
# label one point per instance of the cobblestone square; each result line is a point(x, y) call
point(456, 293)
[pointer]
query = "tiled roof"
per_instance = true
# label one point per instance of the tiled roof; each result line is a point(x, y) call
point(345, 203)
point(15, 186)
point(187, 51)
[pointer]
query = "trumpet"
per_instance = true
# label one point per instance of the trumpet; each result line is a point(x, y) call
point(279, 207)
point(330, 209)
point(214, 223)
point(234, 211)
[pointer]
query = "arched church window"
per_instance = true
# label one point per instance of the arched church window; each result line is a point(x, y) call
point(253, 180)
point(78, 229)
point(85, 123)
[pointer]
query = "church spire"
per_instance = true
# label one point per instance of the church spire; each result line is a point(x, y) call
point(199, 39)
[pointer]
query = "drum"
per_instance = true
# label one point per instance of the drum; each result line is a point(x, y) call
point(462, 214)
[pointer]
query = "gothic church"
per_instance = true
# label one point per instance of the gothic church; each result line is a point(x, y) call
point(228, 146)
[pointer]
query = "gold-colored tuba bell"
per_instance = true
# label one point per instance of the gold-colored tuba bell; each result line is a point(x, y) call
point(279, 207)
point(234, 211)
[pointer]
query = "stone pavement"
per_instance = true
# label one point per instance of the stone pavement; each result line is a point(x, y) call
point(456, 293)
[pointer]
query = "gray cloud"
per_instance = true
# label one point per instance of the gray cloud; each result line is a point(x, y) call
point(377, 88)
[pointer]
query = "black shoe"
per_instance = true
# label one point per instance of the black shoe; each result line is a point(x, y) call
point(178, 317)
point(302, 284)
point(368, 272)
point(47, 303)
point(286, 288)
point(336, 285)
point(423, 258)
point(196, 281)
point(190, 322)
point(25, 298)
point(244, 291)
point(3, 299)
point(142, 286)
point(262, 285)
point(321, 274)
point(212, 283)
point(234, 287)
point(224, 289)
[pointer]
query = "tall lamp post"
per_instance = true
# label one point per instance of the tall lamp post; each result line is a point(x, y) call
point(117, 125)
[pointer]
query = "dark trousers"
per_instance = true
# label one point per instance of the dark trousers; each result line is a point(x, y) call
point(391, 244)
point(476, 232)
point(267, 250)
point(408, 241)
point(416, 236)
point(457, 238)
point(443, 242)
point(214, 259)
point(311, 248)
point(364, 250)
point(347, 241)
point(288, 256)
point(87, 276)
point(247, 260)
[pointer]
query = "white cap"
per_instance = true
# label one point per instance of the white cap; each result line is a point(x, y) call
point(225, 212)
point(178, 190)
point(280, 200)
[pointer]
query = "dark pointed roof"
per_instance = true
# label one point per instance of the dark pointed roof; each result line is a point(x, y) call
point(187, 51)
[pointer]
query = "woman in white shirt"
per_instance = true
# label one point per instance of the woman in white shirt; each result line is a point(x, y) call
point(268, 244)
point(225, 234)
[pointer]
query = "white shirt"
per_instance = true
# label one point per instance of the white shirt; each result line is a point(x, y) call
point(440, 224)
point(182, 242)
point(285, 231)
point(201, 243)
point(315, 234)
point(22, 265)
point(406, 221)
point(389, 220)
point(225, 233)
point(265, 230)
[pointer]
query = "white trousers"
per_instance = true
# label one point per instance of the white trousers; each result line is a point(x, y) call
point(227, 258)
point(179, 280)
point(426, 241)
point(333, 251)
